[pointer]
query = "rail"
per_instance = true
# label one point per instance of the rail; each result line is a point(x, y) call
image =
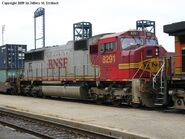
point(46, 129)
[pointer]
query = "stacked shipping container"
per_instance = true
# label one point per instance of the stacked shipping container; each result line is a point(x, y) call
point(11, 60)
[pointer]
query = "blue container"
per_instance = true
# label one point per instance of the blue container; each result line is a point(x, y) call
point(12, 56)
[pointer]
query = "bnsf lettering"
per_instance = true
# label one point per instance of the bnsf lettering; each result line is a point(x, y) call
point(146, 65)
point(57, 63)
point(154, 64)
point(150, 65)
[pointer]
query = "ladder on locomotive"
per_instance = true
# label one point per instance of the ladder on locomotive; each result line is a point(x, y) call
point(158, 84)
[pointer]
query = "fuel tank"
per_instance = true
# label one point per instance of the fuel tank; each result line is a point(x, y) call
point(76, 92)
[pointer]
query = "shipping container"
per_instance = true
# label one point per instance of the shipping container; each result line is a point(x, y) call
point(12, 56)
point(3, 75)
point(11, 61)
point(10, 74)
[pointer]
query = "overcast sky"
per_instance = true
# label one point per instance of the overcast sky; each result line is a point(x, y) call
point(105, 16)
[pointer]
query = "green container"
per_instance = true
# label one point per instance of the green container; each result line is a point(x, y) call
point(10, 73)
point(3, 75)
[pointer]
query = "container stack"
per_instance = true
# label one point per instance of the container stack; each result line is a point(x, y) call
point(11, 61)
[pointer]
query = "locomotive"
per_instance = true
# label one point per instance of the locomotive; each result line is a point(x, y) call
point(125, 67)
point(176, 78)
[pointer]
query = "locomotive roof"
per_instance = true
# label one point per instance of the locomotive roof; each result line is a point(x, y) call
point(36, 50)
point(111, 35)
point(116, 34)
point(47, 47)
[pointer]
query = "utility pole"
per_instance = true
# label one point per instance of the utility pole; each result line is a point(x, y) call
point(3, 29)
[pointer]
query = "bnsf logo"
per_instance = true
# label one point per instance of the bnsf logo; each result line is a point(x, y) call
point(57, 63)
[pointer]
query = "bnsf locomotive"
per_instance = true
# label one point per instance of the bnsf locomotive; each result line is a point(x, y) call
point(176, 78)
point(124, 67)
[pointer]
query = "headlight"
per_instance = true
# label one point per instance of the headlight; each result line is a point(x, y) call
point(157, 51)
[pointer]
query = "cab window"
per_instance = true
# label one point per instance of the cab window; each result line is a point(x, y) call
point(108, 47)
point(126, 42)
point(151, 42)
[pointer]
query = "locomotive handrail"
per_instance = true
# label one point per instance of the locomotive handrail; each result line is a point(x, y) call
point(140, 69)
point(137, 72)
point(144, 69)
point(55, 74)
point(160, 70)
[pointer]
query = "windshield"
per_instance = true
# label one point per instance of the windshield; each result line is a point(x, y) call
point(126, 42)
point(151, 42)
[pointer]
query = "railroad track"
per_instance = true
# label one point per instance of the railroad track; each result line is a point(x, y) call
point(45, 129)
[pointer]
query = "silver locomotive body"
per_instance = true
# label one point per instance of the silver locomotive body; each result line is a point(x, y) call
point(66, 62)
point(51, 67)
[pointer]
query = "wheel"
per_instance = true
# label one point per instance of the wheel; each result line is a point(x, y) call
point(129, 100)
point(99, 101)
point(116, 102)
point(12, 91)
point(135, 105)
point(40, 94)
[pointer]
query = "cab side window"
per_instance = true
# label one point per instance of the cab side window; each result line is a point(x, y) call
point(108, 47)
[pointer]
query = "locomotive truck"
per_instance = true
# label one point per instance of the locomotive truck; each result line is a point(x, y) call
point(125, 67)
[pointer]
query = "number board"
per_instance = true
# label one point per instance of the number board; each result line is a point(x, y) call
point(134, 33)
point(108, 59)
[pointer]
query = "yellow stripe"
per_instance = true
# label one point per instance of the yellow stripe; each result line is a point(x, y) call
point(175, 78)
point(108, 80)
point(151, 67)
point(124, 79)
point(127, 66)
point(63, 77)
point(178, 70)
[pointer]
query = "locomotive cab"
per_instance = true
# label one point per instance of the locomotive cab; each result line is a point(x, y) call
point(128, 60)
point(120, 55)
